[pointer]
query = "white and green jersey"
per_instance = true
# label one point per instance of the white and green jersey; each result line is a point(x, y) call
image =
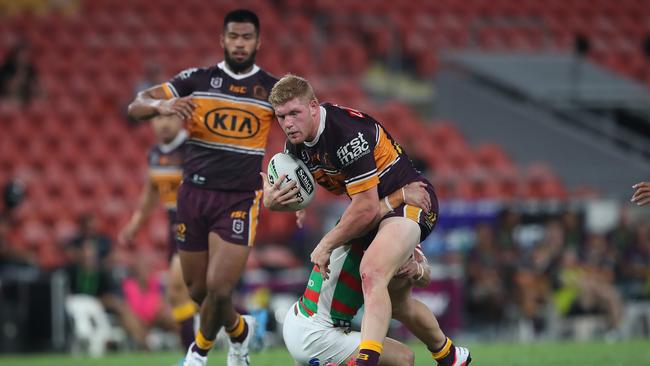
point(336, 300)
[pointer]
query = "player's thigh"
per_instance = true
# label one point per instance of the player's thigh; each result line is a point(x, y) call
point(395, 241)
point(226, 264)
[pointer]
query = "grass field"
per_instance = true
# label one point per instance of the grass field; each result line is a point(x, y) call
point(630, 353)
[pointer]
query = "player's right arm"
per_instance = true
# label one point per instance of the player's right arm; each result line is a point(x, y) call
point(148, 200)
point(154, 101)
point(277, 198)
point(641, 193)
point(416, 270)
point(414, 194)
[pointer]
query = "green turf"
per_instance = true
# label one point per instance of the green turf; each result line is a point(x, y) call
point(631, 353)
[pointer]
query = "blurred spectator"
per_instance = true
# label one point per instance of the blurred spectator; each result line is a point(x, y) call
point(143, 292)
point(583, 289)
point(622, 235)
point(18, 78)
point(486, 297)
point(507, 223)
point(509, 249)
point(152, 76)
point(535, 275)
point(10, 259)
point(13, 195)
point(89, 233)
point(86, 276)
point(573, 235)
point(634, 266)
point(532, 287)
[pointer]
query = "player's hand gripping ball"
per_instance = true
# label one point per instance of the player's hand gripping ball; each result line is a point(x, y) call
point(295, 170)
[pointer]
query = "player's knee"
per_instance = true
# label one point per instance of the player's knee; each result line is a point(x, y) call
point(219, 291)
point(372, 277)
point(196, 291)
point(219, 296)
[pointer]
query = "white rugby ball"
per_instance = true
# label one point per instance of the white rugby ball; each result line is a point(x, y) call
point(295, 170)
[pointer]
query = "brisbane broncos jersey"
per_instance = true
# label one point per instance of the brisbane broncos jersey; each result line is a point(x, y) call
point(353, 153)
point(229, 127)
point(166, 169)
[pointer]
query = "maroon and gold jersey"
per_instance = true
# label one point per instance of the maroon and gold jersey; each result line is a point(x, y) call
point(229, 127)
point(166, 169)
point(353, 153)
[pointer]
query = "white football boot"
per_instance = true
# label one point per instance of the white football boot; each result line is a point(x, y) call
point(194, 359)
point(238, 352)
point(462, 357)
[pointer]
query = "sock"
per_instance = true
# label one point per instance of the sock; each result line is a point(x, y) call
point(184, 316)
point(446, 354)
point(239, 331)
point(369, 352)
point(187, 332)
point(201, 345)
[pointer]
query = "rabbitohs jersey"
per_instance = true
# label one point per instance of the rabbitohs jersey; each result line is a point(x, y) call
point(337, 300)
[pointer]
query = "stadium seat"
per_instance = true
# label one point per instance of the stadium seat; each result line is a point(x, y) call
point(89, 71)
point(92, 328)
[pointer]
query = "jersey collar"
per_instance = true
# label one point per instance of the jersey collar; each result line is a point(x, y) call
point(321, 127)
point(222, 65)
point(176, 142)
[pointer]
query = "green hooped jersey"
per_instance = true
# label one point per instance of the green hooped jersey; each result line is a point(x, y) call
point(339, 297)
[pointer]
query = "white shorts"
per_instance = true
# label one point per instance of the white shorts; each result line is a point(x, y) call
point(308, 340)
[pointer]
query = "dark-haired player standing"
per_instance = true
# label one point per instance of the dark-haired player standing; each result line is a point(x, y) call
point(228, 117)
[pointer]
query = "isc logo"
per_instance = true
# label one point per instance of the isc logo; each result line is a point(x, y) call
point(233, 123)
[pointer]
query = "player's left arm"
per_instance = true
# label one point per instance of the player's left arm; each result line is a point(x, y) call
point(356, 220)
point(414, 194)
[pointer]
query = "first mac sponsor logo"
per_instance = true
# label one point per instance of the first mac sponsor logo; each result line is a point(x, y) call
point(232, 123)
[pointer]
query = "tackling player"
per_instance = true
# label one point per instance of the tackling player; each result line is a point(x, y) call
point(317, 327)
point(165, 173)
point(349, 152)
point(228, 117)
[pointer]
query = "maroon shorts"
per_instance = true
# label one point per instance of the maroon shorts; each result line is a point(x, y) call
point(426, 220)
point(232, 215)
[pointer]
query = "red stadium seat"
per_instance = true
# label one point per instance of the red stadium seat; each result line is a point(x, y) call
point(88, 75)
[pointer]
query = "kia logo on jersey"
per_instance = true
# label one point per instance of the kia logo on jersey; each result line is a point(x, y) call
point(233, 123)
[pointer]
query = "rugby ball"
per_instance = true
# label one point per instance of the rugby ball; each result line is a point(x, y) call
point(295, 170)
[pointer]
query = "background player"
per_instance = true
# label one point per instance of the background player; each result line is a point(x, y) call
point(228, 119)
point(165, 174)
point(349, 152)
